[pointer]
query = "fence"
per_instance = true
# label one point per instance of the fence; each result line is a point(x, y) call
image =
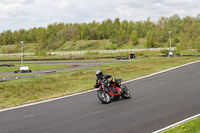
point(16, 54)
point(108, 51)
point(99, 51)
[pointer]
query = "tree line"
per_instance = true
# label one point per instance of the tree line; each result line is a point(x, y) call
point(185, 33)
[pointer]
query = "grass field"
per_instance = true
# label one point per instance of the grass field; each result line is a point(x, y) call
point(81, 45)
point(192, 126)
point(33, 89)
point(33, 67)
point(18, 74)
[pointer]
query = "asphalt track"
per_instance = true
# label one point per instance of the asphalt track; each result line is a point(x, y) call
point(158, 101)
point(40, 72)
point(75, 65)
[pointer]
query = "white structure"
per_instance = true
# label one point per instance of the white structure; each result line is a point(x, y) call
point(170, 53)
point(24, 68)
point(22, 43)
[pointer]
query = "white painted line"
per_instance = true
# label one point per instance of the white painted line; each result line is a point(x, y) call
point(176, 124)
point(26, 105)
point(161, 71)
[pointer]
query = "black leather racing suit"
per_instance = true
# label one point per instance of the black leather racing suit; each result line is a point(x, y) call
point(98, 80)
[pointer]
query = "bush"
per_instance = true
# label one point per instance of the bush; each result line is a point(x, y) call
point(197, 44)
point(124, 54)
point(175, 40)
point(3, 50)
point(111, 47)
point(10, 50)
point(165, 51)
point(134, 37)
point(157, 45)
point(139, 53)
point(177, 52)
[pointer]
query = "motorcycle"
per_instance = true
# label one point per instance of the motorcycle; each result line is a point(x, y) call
point(112, 89)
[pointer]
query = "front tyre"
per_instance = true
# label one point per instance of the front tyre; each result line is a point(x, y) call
point(126, 94)
point(104, 97)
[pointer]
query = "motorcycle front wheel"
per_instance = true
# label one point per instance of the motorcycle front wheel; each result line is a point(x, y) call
point(104, 97)
point(126, 94)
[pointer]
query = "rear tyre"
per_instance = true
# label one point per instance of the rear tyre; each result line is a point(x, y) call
point(104, 97)
point(126, 94)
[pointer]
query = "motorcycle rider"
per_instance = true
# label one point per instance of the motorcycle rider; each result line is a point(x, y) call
point(100, 76)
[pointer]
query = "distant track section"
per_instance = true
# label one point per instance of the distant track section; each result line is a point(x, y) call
point(42, 72)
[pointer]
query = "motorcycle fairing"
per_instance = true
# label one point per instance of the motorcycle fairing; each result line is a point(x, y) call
point(115, 90)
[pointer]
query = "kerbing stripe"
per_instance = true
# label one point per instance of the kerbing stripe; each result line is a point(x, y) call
point(26, 105)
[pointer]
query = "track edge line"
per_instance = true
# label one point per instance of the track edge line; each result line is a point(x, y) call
point(176, 124)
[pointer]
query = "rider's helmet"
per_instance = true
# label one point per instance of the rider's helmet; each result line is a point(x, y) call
point(99, 74)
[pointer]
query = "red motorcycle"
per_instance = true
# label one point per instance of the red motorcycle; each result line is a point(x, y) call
point(112, 89)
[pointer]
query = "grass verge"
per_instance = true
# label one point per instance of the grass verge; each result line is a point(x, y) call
point(20, 74)
point(192, 126)
point(33, 67)
point(34, 89)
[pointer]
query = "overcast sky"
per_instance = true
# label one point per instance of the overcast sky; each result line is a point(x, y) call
point(17, 14)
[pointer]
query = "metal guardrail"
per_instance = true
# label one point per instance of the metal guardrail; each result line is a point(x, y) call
point(108, 51)
point(16, 54)
point(99, 51)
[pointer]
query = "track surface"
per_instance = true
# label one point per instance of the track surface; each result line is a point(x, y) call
point(78, 65)
point(74, 67)
point(157, 101)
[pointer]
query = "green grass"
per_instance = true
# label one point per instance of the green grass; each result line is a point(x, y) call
point(33, 89)
point(33, 67)
point(84, 45)
point(28, 48)
point(190, 52)
point(192, 126)
point(88, 45)
point(81, 45)
point(18, 74)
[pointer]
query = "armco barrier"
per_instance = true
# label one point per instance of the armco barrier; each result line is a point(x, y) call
point(16, 54)
point(99, 51)
point(108, 51)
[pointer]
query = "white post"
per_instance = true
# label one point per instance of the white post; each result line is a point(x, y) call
point(170, 53)
point(22, 43)
point(170, 40)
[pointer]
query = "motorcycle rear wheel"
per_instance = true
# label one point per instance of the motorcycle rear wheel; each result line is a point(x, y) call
point(104, 97)
point(126, 94)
